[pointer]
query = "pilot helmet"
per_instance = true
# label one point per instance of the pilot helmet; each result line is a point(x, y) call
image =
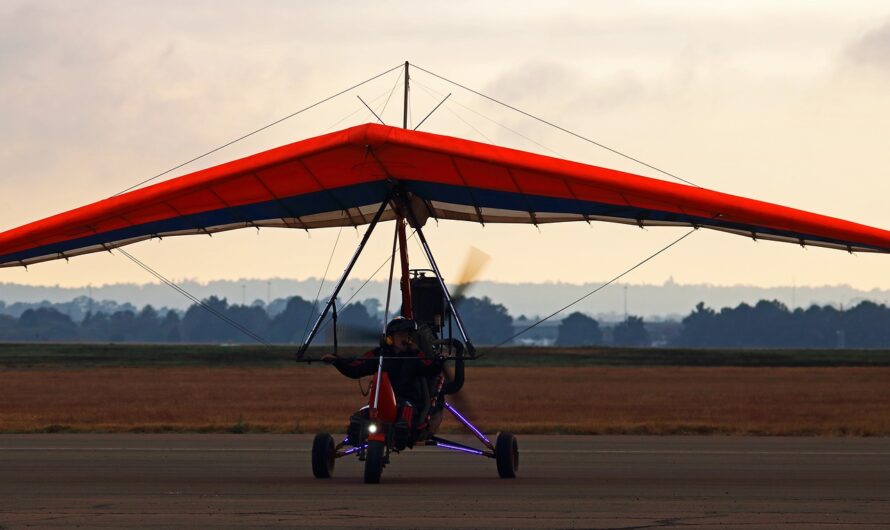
point(400, 324)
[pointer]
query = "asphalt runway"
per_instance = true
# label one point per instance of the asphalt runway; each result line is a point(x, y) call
point(565, 482)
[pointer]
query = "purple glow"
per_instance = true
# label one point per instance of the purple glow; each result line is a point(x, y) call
point(461, 449)
point(353, 450)
point(466, 423)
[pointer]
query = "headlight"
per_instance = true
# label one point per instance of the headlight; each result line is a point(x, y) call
point(372, 428)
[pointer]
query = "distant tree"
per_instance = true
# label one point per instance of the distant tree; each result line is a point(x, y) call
point(276, 306)
point(95, 326)
point(356, 326)
point(124, 326)
point(867, 325)
point(579, 329)
point(816, 327)
point(200, 325)
point(375, 310)
point(46, 324)
point(631, 332)
point(253, 318)
point(486, 322)
point(147, 326)
point(768, 323)
point(289, 325)
point(169, 327)
point(697, 327)
point(8, 327)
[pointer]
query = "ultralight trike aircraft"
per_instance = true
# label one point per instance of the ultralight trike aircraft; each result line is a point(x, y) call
point(373, 173)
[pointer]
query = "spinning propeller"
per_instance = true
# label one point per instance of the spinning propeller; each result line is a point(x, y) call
point(474, 264)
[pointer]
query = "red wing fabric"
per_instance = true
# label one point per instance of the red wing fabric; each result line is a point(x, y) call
point(341, 178)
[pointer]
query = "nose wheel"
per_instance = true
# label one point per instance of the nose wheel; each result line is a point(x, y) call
point(374, 460)
point(324, 455)
point(506, 452)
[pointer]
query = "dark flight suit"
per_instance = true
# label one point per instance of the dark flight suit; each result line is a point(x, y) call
point(404, 374)
point(406, 377)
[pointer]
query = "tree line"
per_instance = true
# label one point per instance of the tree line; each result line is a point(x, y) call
point(212, 322)
point(764, 324)
point(771, 323)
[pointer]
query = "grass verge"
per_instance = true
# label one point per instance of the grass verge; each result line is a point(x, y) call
point(77, 355)
point(842, 401)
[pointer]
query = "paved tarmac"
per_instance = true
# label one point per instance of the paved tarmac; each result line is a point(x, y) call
point(565, 482)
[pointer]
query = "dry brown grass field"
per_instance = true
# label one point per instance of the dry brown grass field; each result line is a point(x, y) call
point(656, 400)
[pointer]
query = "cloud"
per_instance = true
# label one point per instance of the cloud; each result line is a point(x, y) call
point(872, 49)
point(532, 79)
point(566, 89)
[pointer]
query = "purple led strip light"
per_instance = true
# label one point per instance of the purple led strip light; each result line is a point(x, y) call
point(353, 450)
point(466, 423)
point(461, 449)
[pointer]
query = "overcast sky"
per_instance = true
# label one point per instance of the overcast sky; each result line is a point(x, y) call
point(780, 101)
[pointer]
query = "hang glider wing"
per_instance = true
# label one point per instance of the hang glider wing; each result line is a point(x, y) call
point(341, 178)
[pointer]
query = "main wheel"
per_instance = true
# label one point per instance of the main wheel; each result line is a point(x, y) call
point(506, 452)
point(374, 462)
point(323, 455)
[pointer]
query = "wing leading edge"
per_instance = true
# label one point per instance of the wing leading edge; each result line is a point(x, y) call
point(341, 178)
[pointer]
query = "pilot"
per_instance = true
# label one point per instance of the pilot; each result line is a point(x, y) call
point(406, 373)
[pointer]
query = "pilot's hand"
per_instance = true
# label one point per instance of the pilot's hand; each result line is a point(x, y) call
point(329, 357)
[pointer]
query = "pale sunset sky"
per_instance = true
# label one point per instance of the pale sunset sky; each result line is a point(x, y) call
point(780, 101)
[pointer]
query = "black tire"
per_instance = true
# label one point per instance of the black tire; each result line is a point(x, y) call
point(374, 462)
point(506, 452)
point(323, 455)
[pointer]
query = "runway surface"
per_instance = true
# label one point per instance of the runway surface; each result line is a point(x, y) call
point(565, 482)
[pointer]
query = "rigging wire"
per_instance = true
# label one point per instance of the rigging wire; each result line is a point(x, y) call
point(204, 305)
point(392, 264)
point(492, 120)
point(456, 115)
point(468, 124)
point(240, 327)
point(258, 338)
point(351, 114)
point(321, 285)
point(598, 289)
point(263, 128)
point(193, 298)
point(362, 286)
point(551, 124)
point(391, 92)
point(459, 117)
